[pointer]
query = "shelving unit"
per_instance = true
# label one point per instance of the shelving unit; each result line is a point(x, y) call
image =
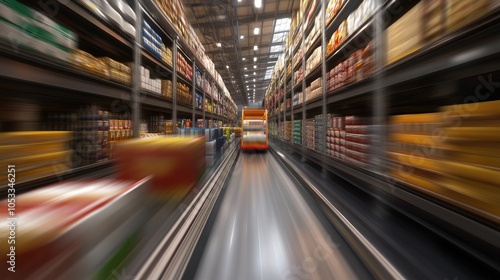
point(43, 84)
point(443, 67)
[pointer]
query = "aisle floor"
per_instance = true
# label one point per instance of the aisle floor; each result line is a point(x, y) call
point(265, 229)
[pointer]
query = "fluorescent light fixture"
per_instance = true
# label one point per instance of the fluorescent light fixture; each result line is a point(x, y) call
point(255, 48)
point(256, 31)
point(255, 59)
point(258, 3)
point(218, 44)
point(246, 75)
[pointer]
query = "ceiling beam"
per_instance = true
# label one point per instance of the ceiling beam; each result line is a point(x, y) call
point(242, 20)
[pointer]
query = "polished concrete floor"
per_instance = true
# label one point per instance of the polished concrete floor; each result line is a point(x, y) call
point(265, 229)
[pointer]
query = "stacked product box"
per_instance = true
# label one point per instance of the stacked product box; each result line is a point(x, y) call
point(357, 140)
point(151, 41)
point(453, 153)
point(470, 164)
point(288, 130)
point(35, 154)
point(118, 13)
point(297, 131)
point(152, 85)
point(215, 142)
point(297, 98)
point(199, 100)
point(309, 137)
point(119, 130)
point(359, 66)
point(184, 68)
point(176, 163)
point(313, 60)
point(320, 133)
point(65, 223)
point(166, 88)
point(35, 31)
point(314, 90)
point(298, 76)
point(335, 143)
point(166, 55)
point(199, 78)
point(183, 93)
point(332, 9)
point(314, 33)
point(88, 62)
point(118, 72)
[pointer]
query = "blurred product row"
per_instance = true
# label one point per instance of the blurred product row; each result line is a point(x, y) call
point(52, 222)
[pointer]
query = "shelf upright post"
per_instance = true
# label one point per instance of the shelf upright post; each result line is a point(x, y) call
point(136, 73)
point(304, 130)
point(204, 98)
point(174, 84)
point(194, 93)
point(379, 164)
point(284, 98)
point(292, 82)
point(323, 75)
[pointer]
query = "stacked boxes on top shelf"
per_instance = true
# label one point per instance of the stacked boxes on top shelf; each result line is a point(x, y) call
point(35, 31)
point(151, 41)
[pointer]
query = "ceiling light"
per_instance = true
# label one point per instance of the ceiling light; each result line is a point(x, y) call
point(255, 67)
point(218, 44)
point(241, 37)
point(255, 48)
point(254, 73)
point(254, 80)
point(227, 66)
point(255, 59)
point(246, 75)
point(256, 31)
point(258, 3)
point(245, 68)
point(243, 59)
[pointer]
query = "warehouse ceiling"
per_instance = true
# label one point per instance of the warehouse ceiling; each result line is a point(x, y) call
point(244, 58)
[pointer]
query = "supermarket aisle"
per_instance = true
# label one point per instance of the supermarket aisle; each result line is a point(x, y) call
point(265, 229)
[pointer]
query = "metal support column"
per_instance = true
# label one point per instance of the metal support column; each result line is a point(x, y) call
point(323, 82)
point(203, 100)
point(193, 119)
point(304, 131)
point(379, 164)
point(174, 85)
point(136, 73)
